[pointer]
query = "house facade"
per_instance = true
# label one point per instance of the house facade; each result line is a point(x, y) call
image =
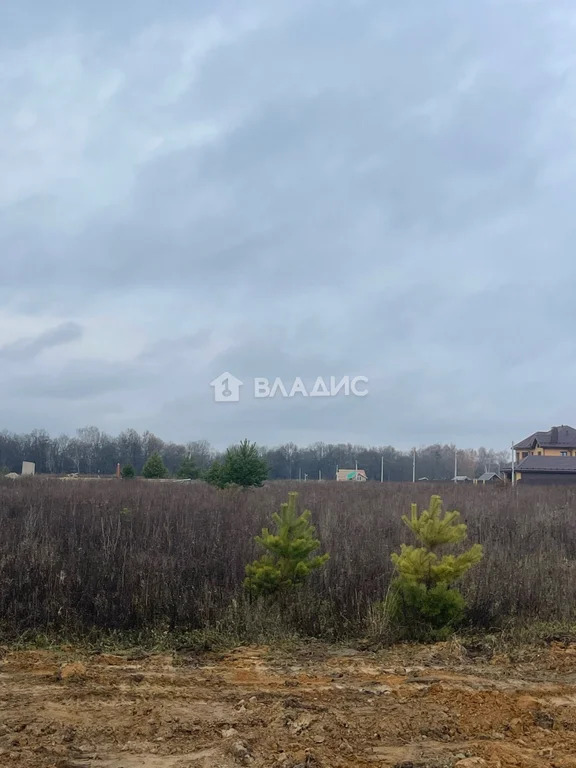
point(546, 470)
point(558, 441)
point(546, 458)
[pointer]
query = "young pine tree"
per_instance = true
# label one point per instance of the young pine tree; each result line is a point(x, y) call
point(214, 475)
point(128, 472)
point(154, 467)
point(242, 465)
point(423, 600)
point(288, 558)
point(188, 469)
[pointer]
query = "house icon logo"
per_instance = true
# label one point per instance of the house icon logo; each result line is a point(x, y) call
point(226, 388)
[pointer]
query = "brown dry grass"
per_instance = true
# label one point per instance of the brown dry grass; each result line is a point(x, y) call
point(132, 555)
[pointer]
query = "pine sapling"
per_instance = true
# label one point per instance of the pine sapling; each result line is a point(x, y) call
point(288, 560)
point(154, 468)
point(423, 598)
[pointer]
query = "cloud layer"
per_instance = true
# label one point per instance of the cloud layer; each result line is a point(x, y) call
point(288, 189)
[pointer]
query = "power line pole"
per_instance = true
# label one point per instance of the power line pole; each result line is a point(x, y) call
point(513, 464)
point(455, 465)
point(382, 469)
point(414, 465)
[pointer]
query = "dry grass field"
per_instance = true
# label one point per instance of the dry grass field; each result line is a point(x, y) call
point(134, 555)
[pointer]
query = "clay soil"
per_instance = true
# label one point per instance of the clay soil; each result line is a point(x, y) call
point(311, 706)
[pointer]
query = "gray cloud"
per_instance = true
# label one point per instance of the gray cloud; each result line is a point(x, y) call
point(29, 348)
point(289, 189)
point(76, 381)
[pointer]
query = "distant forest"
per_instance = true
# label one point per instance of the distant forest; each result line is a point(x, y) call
point(91, 451)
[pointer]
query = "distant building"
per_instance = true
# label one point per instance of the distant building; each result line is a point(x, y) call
point(358, 475)
point(28, 468)
point(461, 479)
point(545, 458)
point(490, 477)
point(558, 441)
point(545, 470)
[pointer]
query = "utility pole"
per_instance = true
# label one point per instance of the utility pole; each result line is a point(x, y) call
point(455, 465)
point(382, 469)
point(513, 462)
point(319, 474)
point(414, 465)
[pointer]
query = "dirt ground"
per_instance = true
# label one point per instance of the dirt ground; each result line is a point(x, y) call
point(311, 706)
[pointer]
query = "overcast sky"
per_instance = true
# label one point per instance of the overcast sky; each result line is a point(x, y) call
point(283, 188)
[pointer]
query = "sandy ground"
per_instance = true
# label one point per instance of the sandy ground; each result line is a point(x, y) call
point(312, 707)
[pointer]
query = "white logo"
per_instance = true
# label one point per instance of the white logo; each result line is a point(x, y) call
point(344, 385)
point(226, 388)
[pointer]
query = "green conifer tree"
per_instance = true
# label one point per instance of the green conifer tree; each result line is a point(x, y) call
point(214, 476)
point(154, 468)
point(188, 469)
point(422, 597)
point(288, 558)
point(242, 465)
point(128, 472)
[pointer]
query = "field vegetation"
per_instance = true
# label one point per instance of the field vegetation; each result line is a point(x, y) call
point(141, 556)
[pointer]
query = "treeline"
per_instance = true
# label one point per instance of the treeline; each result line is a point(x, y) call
point(92, 451)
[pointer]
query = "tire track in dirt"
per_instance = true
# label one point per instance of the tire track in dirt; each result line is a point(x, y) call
point(312, 707)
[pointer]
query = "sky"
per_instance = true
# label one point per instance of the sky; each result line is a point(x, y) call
point(284, 189)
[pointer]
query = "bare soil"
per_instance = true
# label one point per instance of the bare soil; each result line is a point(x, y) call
point(312, 706)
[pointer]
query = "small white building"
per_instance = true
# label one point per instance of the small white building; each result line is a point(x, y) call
point(354, 475)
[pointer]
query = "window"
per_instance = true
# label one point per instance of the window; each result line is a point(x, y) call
point(563, 453)
point(524, 454)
